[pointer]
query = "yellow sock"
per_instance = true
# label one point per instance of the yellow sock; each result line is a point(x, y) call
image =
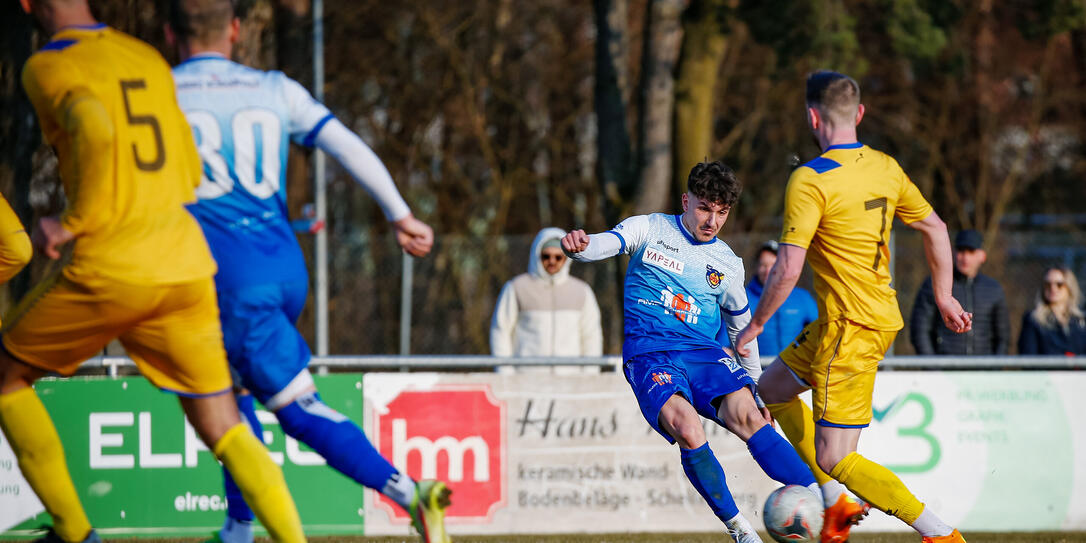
point(41, 458)
point(261, 483)
point(878, 486)
point(797, 421)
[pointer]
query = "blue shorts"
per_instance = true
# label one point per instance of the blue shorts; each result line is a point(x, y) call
point(265, 349)
point(701, 376)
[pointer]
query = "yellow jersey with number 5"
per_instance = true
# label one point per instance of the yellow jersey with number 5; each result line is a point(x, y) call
point(128, 163)
point(840, 207)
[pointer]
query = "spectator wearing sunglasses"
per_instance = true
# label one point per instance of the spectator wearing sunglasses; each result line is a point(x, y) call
point(1056, 325)
point(538, 311)
point(979, 294)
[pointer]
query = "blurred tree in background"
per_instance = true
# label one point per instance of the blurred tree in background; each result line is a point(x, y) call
point(500, 117)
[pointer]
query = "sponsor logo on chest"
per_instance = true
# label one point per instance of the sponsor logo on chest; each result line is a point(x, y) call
point(660, 260)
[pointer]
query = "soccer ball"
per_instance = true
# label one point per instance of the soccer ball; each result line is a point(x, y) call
point(793, 514)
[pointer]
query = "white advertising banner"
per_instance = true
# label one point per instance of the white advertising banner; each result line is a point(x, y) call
point(17, 499)
point(541, 453)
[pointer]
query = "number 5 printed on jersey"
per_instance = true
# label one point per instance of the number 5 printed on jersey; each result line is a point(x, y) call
point(255, 134)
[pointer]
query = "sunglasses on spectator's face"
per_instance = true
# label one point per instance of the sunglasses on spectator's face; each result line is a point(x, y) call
point(558, 258)
point(1054, 284)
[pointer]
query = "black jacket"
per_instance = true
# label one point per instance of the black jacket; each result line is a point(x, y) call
point(983, 297)
point(1037, 339)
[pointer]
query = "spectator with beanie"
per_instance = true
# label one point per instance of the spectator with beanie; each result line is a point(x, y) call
point(979, 294)
point(797, 311)
point(1057, 324)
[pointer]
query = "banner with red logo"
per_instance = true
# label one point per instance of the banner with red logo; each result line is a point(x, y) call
point(543, 453)
point(540, 453)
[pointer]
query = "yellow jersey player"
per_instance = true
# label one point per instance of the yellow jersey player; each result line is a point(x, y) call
point(839, 209)
point(139, 270)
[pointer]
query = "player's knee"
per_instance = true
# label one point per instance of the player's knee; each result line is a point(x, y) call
point(776, 385)
point(686, 428)
point(307, 416)
point(744, 420)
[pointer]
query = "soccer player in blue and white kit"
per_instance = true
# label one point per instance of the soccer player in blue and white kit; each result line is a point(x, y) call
point(243, 121)
point(682, 285)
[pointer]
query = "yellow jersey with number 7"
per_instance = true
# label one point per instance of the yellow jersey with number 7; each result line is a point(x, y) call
point(128, 163)
point(840, 207)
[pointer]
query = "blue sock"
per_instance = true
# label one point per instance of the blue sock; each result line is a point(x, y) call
point(778, 459)
point(705, 473)
point(344, 446)
point(236, 508)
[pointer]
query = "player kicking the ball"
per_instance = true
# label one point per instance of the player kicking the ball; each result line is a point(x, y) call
point(243, 120)
point(838, 210)
point(681, 286)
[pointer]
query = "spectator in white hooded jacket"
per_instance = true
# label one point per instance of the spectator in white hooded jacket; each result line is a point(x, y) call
point(537, 312)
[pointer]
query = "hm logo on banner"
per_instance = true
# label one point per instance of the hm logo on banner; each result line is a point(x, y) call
point(454, 434)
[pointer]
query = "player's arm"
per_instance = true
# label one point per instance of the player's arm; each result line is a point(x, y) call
point(803, 207)
point(313, 125)
point(15, 251)
point(782, 279)
point(624, 238)
point(58, 97)
point(941, 263)
point(736, 314)
point(917, 213)
point(415, 236)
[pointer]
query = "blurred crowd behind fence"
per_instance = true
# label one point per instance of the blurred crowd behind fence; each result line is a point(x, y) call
point(456, 287)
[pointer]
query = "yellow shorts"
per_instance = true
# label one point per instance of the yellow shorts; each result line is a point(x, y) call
point(172, 332)
point(838, 360)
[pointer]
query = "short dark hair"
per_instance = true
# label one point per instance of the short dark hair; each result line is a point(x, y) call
point(836, 95)
point(715, 182)
point(201, 20)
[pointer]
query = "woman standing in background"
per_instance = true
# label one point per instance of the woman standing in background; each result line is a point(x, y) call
point(1057, 324)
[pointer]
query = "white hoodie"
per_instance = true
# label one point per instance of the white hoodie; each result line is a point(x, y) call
point(539, 314)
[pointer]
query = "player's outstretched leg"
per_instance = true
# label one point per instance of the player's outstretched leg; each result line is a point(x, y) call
point(238, 526)
point(774, 455)
point(880, 487)
point(347, 449)
point(36, 444)
point(261, 482)
point(679, 419)
point(842, 511)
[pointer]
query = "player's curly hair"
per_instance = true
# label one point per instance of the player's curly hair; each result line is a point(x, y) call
point(715, 182)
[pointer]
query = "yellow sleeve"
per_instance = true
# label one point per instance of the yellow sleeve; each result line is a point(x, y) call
point(92, 137)
point(911, 205)
point(15, 251)
point(803, 208)
point(45, 87)
point(62, 101)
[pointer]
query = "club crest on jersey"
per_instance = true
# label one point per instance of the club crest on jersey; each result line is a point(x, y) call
point(712, 276)
point(660, 260)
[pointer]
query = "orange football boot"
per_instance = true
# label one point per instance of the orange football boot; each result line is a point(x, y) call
point(954, 537)
point(840, 518)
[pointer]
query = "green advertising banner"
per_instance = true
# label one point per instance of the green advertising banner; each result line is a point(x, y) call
point(140, 469)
